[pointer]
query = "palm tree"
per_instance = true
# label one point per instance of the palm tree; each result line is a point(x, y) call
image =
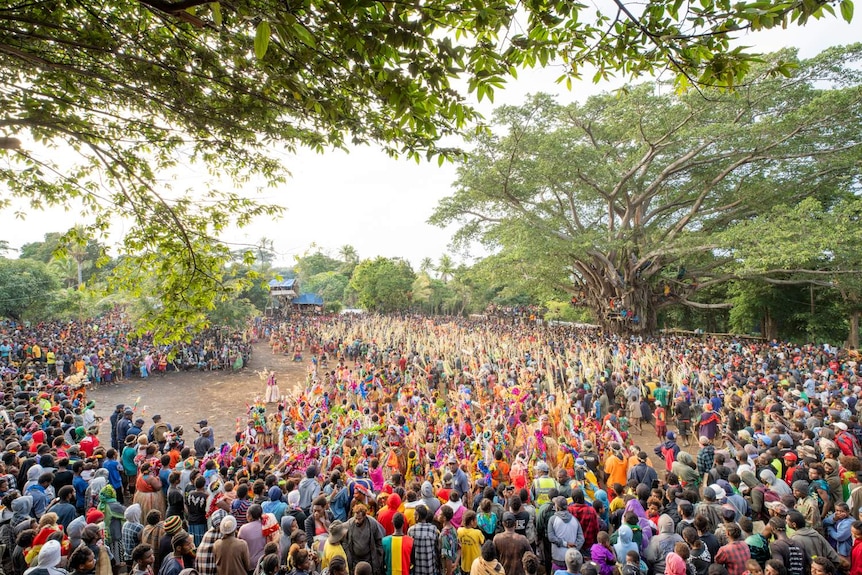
point(445, 268)
point(68, 269)
point(5, 247)
point(265, 252)
point(426, 265)
point(348, 254)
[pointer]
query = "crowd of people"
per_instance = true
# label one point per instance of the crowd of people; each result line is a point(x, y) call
point(105, 349)
point(440, 447)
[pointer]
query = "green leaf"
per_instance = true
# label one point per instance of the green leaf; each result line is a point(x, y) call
point(261, 39)
point(847, 10)
point(304, 35)
point(216, 9)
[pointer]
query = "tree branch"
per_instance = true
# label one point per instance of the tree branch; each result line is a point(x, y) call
point(173, 7)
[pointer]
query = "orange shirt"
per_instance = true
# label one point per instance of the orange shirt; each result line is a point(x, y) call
point(616, 469)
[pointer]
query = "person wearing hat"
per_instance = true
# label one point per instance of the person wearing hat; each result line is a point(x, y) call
point(642, 472)
point(124, 422)
point(114, 419)
point(563, 532)
point(158, 430)
point(616, 466)
point(182, 546)
point(709, 508)
point(204, 443)
point(542, 484)
point(205, 552)
point(705, 456)
point(790, 463)
point(511, 546)
point(137, 429)
point(172, 526)
point(332, 546)
point(806, 503)
point(231, 553)
point(668, 450)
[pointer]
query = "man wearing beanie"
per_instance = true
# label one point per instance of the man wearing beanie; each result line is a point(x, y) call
point(182, 546)
point(173, 527)
point(231, 554)
point(806, 504)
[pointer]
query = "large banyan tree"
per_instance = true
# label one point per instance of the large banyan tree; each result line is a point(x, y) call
point(634, 200)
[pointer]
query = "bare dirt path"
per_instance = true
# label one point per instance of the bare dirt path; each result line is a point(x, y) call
point(184, 398)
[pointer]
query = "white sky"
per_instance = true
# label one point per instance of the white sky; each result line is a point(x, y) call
point(380, 205)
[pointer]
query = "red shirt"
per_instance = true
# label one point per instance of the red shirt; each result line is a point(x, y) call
point(88, 444)
point(856, 558)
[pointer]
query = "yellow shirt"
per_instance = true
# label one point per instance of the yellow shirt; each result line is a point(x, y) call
point(50, 358)
point(330, 552)
point(471, 546)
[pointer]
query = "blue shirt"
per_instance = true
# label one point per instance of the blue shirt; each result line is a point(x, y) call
point(113, 467)
point(80, 485)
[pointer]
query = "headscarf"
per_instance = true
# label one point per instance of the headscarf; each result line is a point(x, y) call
point(674, 565)
point(602, 495)
point(133, 514)
point(634, 505)
point(107, 496)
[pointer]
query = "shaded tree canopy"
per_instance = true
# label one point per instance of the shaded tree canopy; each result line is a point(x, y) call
point(26, 286)
point(383, 284)
point(138, 88)
point(626, 201)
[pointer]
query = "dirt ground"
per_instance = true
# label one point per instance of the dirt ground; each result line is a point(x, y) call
point(221, 397)
point(184, 398)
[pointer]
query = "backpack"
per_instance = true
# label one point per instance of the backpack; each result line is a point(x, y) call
point(159, 432)
point(487, 522)
point(669, 455)
point(848, 444)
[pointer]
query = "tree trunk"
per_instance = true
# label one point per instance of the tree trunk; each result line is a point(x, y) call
point(853, 336)
point(624, 309)
point(770, 326)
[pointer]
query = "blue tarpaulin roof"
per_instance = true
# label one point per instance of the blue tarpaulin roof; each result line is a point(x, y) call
point(308, 299)
point(283, 283)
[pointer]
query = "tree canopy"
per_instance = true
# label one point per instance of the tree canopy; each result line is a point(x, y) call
point(26, 286)
point(627, 201)
point(138, 88)
point(383, 284)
